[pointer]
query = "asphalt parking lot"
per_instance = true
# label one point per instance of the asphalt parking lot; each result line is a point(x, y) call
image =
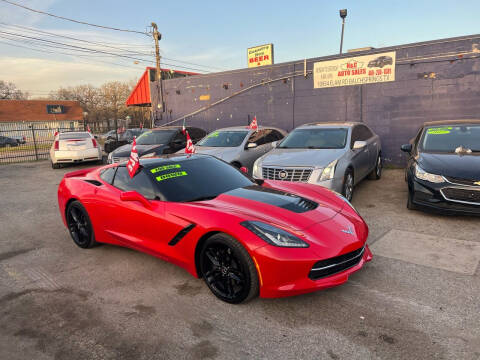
point(419, 298)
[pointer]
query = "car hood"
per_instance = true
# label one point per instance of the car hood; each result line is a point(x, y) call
point(301, 157)
point(124, 151)
point(458, 166)
point(225, 153)
point(275, 205)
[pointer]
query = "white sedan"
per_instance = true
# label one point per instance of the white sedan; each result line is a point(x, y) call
point(73, 147)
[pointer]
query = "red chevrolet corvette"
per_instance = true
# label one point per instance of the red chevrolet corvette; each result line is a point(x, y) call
point(244, 237)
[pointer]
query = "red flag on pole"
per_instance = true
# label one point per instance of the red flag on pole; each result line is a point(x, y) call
point(253, 125)
point(189, 148)
point(88, 129)
point(133, 162)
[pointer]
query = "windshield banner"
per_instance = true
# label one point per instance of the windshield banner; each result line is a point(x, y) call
point(356, 70)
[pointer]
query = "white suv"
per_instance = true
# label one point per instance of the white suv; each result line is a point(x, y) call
point(73, 147)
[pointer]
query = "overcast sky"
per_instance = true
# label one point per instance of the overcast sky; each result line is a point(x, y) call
point(212, 34)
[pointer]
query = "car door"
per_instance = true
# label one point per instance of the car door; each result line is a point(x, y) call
point(360, 157)
point(372, 144)
point(132, 223)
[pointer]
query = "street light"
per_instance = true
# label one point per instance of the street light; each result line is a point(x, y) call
point(343, 15)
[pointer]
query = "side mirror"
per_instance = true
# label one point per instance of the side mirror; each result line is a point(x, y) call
point(244, 170)
point(406, 148)
point(135, 196)
point(359, 145)
point(251, 145)
point(95, 136)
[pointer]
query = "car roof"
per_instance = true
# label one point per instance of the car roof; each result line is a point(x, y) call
point(245, 127)
point(331, 124)
point(452, 122)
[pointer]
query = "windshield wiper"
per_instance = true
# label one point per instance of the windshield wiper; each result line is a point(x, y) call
point(202, 198)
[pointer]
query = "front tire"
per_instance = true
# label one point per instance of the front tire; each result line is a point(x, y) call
point(228, 270)
point(79, 225)
point(376, 173)
point(348, 185)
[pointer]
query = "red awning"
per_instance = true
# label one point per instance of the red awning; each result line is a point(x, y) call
point(140, 95)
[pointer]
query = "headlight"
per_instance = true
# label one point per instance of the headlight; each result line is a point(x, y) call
point(273, 235)
point(148, 155)
point(257, 173)
point(328, 172)
point(423, 175)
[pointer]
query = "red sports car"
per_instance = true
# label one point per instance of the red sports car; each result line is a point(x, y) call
point(244, 237)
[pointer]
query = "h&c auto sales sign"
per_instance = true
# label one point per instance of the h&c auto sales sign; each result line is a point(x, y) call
point(356, 70)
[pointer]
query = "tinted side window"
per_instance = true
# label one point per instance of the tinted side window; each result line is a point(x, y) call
point(180, 137)
point(140, 182)
point(355, 136)
point(108, 174)
point(260, 137)
point(196, 133)
point(364, 133)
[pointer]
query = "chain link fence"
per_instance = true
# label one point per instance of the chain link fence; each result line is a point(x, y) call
point(31, 141)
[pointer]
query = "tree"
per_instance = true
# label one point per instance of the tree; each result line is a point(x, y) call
point(8, 91)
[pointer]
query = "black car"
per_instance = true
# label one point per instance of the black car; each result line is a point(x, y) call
point(6, 141)
point(381, 61)
point(443, 171)
point(116, 140)
point(164, 140)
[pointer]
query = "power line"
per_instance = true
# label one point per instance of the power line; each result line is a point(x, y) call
point(81, 48)
point(109, 46)
point(72, 20)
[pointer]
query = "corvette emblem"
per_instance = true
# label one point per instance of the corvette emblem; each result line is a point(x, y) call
point(348, 231)
point(282, 174)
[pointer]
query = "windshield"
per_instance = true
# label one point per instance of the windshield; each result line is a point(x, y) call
point(224, 138)
point(196, 179)
point(321, 138)
point(448, 139)
point(155, 137)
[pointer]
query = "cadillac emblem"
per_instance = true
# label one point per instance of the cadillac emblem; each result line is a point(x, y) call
point(282, 174)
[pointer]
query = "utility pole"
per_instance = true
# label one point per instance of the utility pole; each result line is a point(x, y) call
point(157, 36)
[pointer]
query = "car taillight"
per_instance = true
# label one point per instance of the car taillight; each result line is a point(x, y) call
point(56, 147)
point(94, 143)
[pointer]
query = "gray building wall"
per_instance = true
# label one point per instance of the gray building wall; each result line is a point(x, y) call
point(435, 80)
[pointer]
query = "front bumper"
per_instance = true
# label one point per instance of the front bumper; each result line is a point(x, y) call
point(65, 156)
point(439, 197)
point(335, 184)
point(288, 275)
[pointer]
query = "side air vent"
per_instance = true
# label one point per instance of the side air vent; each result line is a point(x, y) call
point(181, 234)
point(94, 182)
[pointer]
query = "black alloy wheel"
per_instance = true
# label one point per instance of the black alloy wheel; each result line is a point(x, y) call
point(228, 269)
point(79, 225)
point(348, 185)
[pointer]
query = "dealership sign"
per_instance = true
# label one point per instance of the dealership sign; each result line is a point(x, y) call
point(260, 55)
point(356, 70)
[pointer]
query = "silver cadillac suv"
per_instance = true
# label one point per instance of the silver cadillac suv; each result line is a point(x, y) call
point(334, 155)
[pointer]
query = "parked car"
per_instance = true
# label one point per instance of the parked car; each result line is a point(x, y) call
point(20, 139)
point(239, 145)
point(6, 141)
point(443, 170)
point(158, 141)
point(334, 155)
point(108, 135)
point(124, 137)
point(74, 147)
point(244, 238)
point(381, 61)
